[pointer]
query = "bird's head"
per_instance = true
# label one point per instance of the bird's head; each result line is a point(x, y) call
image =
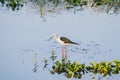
point(53, 37)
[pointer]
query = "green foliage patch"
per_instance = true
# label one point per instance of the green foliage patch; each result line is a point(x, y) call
point(105, 5)
point(76, 70)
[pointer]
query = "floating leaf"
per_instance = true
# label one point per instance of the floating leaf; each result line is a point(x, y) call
point(69, 75)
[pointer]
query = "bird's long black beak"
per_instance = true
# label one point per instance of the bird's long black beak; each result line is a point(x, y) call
point(50, 38)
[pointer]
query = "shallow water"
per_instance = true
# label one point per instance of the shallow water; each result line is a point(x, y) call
point(23, 34)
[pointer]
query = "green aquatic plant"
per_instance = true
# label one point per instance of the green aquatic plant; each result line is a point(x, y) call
point(76, 70)
point(12, 4)
point(47, 6)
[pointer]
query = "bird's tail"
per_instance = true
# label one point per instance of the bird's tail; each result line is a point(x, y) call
point(76, 43)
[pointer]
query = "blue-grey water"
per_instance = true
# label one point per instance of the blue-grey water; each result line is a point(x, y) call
point(24, 33)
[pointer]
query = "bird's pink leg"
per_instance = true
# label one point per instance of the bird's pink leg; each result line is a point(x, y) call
point(63, 51)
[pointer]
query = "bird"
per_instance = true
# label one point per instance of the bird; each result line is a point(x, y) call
point(64, 42)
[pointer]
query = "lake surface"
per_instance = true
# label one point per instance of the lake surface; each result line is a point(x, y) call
point(24, 35)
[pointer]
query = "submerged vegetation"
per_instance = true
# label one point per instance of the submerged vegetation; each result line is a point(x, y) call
point(77, 70)
point(47, 6)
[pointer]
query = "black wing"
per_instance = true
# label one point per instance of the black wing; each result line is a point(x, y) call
point(66, 40)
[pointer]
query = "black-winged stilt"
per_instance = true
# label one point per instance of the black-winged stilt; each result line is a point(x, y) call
point(64, 42)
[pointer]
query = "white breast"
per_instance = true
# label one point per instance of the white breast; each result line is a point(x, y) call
point(61, 42)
